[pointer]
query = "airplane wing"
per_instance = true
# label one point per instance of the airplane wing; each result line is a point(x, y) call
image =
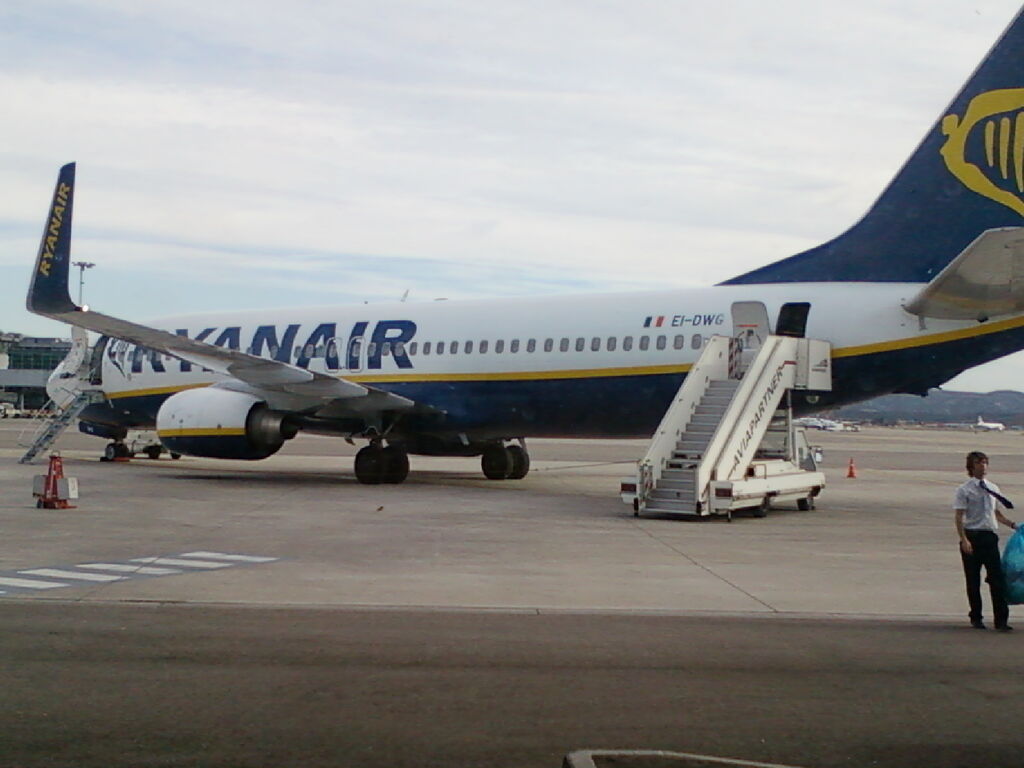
point(985, 280)
point(48, 296)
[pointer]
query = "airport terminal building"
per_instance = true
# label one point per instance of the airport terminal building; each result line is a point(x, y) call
point(25, 364)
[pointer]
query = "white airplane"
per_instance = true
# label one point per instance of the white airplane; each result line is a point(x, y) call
point(989, 426)
point(917, 291)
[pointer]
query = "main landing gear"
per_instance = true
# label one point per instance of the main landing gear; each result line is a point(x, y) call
point(505, 462)
point(376, 464)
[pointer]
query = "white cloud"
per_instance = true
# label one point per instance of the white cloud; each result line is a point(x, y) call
point(378, 146)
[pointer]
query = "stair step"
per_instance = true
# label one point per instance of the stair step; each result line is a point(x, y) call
point(677, 474)
point(672, 507)
point(676, 486)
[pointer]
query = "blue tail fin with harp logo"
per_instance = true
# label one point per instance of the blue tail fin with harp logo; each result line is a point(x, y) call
point(967, 176)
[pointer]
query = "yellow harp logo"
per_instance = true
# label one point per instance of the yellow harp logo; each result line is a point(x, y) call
point(1000, 175)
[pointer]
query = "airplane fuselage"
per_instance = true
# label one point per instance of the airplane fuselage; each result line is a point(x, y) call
point(593, 365)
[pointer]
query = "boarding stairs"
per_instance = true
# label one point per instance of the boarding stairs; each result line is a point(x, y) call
point(52, 428)
point(732, 408)
point(71, 392)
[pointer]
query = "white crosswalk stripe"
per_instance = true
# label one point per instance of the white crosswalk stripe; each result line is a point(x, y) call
point(8, 581)
point(142, 570)
point(61, 573)
point(180, 561)
point(105, 573)
point(224, 556)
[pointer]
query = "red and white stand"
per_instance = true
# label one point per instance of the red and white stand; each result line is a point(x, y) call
point(53, 490)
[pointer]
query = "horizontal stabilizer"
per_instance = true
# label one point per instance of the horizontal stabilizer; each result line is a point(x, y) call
point(985, 280)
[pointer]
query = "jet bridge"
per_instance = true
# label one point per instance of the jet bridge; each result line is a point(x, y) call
point(727, 441)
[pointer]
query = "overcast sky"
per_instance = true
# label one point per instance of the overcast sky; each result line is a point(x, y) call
point(262, 154)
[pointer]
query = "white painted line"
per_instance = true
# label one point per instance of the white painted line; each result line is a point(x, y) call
point(60, 573)
point(179, 561)
point(125, 568)
point(30, 583)
point(224, 556)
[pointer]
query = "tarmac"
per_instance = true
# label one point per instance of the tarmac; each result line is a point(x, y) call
point(300, 531)
point(201, 612)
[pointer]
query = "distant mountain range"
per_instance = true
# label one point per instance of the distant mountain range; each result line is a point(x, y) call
point(939, 406)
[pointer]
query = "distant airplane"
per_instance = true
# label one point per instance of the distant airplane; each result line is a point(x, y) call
point(989, 426)
point(916, 292)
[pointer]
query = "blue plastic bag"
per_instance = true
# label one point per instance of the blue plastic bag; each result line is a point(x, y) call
point(1013, 568)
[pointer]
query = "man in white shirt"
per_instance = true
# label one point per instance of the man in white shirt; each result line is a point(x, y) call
point(977, 512)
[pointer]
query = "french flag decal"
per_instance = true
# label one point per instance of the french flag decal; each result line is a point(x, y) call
point(654, 321)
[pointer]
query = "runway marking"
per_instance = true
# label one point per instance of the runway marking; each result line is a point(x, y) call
point(60, 573)
point(137, 567)
point(126, 568)
point(180, 561)
point(8, 581)
point(223, 556)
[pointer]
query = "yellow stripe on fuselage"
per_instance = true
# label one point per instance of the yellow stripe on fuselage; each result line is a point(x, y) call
point(203, 432)
point(155, 391)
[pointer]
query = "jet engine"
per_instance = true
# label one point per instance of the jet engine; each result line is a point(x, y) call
point(221, 424)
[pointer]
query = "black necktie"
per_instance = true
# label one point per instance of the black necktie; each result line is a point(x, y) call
point(1002, 499)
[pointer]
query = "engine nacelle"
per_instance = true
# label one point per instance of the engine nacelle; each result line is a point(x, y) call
point(221, 424)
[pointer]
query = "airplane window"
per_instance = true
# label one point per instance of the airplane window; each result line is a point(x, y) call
point(413, 347)
point(386, 348)
point(645, 342)
point(309, 351)
point(318, 351)
point(426, 347)
point(580, 343)
point(513, 346)
point(661, 342)
point(549, 344)
point(298, 352)
point(531, 345)
point(453, 348)
point(595, 344)
point(372, 349)
point(273, 349)
point(563, 345)
point(469, 348)
point(332, 349)
point(679, 342)
point(627, 343)
point(399, 347)
point(483, 346)
point(440, 347)
point(697, 341)
point(611, 344)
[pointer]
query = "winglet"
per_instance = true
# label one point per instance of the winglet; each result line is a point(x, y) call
point(48, 292)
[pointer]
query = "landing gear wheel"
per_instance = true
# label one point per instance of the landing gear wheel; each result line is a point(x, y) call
point(115, 451)
point(496, 462)
point(805, 504)
point(762, 510)
point(175, 456)
point(396, 465)
point(370, 465)
point(520, 462)
point(153, 451)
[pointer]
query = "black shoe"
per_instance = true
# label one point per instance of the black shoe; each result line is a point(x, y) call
point(979, 624)
point(1004, 628)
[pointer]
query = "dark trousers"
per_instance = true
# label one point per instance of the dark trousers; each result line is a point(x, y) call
point(986, 552)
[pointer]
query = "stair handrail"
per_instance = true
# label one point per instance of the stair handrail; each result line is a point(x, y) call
point(712, 365)
point(749, 413)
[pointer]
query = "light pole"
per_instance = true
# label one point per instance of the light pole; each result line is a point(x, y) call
point(82, 266)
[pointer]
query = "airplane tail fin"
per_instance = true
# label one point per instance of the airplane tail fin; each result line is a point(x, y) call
point(966, 176)
point(48, 292)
